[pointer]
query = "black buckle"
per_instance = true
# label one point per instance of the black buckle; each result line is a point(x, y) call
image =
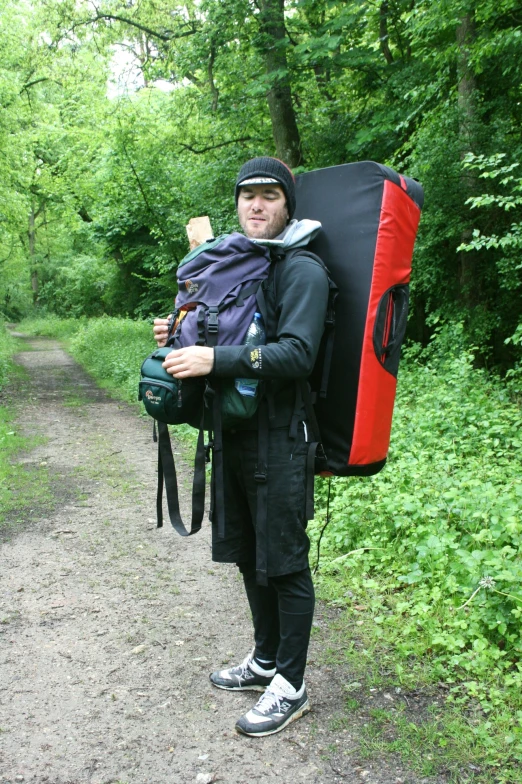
point(321, 460)
point(213, 320)
point(208, 447)
point(260, 474)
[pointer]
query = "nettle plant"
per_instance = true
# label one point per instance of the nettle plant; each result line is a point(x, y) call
point(493, 168)
point(431, 546)
point(501, 233)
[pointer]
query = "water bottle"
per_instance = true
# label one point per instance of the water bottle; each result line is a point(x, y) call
point(256, 336)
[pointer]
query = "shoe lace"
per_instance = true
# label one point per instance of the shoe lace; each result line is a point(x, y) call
point(268, 701)
point(244, 668)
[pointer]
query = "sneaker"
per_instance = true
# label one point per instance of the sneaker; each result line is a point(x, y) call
point(247, 675)
point(279, 705)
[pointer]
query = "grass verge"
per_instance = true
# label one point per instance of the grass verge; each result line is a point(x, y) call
point(112, 351)
point(18, 483)
point(425, 559)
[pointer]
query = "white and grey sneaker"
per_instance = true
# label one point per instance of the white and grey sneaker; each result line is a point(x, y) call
point(279, 705)
point(247, 675)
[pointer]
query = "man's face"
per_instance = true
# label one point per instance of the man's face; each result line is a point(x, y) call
point(262, 211)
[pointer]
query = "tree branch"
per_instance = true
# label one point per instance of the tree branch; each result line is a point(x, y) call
point(167, 35)
point(214, 146)
point(35, 81)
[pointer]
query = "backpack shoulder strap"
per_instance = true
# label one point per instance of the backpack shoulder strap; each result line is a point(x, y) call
point(329, 322)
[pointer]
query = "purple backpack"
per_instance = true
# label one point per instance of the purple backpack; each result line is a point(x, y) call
point(217, 286)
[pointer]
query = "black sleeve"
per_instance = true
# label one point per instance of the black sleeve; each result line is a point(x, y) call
point(302, 297)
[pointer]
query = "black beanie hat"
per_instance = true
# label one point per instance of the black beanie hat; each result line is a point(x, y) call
point(260, 170)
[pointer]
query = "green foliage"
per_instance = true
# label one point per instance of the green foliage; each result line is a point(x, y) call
point(8, 346)
point(113, 349)
point(437, 535)
point(17, 484)
point(97, 185)
point(52, 327)
point(500, 239)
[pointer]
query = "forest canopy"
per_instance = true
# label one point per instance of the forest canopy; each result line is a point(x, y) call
point(122, 119)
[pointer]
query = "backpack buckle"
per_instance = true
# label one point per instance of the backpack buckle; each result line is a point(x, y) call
point(260, 474)
point(213, 320)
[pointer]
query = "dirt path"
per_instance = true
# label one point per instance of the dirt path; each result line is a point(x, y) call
point(109, 628)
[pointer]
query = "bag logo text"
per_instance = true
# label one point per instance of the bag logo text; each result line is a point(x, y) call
point(255, 358)
point(151, 397)
point(191, 287)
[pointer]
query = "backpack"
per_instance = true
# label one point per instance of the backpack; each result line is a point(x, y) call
point(217, 286)
point(369, 215)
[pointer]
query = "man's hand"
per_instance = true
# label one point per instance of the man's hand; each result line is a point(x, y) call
point(161, 331)
point(190, 361)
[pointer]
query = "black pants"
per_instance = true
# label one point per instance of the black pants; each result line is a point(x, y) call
point(282, 611)
point(282, 614)
point(285, 544)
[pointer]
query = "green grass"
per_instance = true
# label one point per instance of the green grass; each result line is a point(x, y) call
point(112, 350)
point(425, 558)
point(422, 724)
point(19, 485)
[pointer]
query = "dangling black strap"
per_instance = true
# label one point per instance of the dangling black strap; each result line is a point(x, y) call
point(316, 458)
point(323, 529)
point(298, 407)
point(261, 477)
point(327, 362)
point(218, 507)
point(310, 479)
point(167, 473)
point(306, 397)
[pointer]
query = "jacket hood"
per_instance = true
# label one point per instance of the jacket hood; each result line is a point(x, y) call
point(296, 235)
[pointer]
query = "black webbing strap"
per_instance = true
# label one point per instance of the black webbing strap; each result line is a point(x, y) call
point(328, 335)
point(311, 419)
point(310, 479)
point(327, 361)
point(316, 458)
point(243, 294)
point(298, 406)
point(261, 304)
point(167, 473)
point(218, 508)
point(261, 477)
point(323, 529)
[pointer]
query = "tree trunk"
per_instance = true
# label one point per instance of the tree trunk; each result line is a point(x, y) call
point(466, 88)
point(383, 32)
point(279, 97)
point(31, 234)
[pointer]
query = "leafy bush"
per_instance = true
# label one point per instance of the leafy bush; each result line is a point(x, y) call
point(113, 350)
point(438, 533)
point(7, 349)
point(52, 326)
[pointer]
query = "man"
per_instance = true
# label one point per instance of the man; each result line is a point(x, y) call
point(266, 504)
